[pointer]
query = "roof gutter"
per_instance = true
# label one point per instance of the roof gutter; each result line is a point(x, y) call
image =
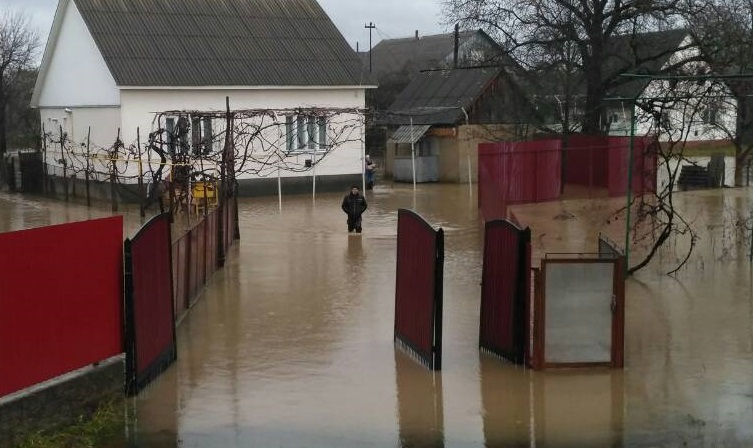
point(269, 87)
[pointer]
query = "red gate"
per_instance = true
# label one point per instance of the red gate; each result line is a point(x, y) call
point(418, 291)
point(505, 290)
point(150, 316)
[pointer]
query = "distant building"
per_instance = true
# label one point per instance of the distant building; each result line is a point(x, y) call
point(444, 114)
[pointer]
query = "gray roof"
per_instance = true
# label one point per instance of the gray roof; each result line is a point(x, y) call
point(436, 97)
point(409, 134)
point(412, 54)
point(221, 43)
point(645, 53)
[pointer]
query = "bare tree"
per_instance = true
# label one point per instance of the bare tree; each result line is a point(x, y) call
point(18, 49)
point(531, 29)
point(724, 29)
point(670, 113)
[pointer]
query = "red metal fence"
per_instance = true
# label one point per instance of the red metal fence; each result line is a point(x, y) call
point(602, 162)
point(418, 291)
point(527, 172)
point(517, 173)
point(505, 290)
point(61, 292)
point(197, 254)
point(150, 319)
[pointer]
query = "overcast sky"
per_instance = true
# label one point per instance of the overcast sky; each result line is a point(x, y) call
point(393, 18)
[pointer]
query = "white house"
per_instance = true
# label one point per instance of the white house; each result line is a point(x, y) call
point(110, 66)
point(684, 109)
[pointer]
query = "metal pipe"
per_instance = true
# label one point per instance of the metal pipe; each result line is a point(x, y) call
point(468, 156)
point(629, 193)
point(413, 153)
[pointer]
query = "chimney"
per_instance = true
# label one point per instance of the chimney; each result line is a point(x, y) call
point(416, 34)
point(455, 48)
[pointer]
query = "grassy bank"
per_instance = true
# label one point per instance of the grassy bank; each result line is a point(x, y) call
point(85, 432)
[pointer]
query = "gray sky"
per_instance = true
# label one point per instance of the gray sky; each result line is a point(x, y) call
point(393, 18)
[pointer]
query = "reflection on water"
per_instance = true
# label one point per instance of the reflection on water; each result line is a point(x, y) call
point(291, 344)
point(420, 412)
point(568, 408)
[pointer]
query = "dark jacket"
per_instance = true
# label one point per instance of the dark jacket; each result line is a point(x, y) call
point(354, 204)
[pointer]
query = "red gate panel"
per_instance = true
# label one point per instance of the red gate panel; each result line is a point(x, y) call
point(505, 290)
point(418, 292)
point(150, 318)
point(201, 254)
point(193, 263)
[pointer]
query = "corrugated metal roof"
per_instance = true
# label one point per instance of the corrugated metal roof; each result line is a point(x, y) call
point(221, 43)
point(408, 56)
point(436, 97)
point(409, 134)
point(645, 53)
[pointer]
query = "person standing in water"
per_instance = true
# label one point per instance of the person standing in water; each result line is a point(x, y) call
point(369, 168)
point(354, 204)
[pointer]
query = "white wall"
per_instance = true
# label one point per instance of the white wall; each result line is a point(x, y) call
point(685, 116)
point(139, 107)
point(77, 74)
point(75, 124)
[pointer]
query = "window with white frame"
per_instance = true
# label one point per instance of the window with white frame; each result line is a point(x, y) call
point(305, 133)
point(200, 130)
point(710, 113)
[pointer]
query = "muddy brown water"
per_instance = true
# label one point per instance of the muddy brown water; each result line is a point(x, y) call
point(291, 343)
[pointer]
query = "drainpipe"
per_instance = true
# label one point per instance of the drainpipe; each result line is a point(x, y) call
point(455, 47)
point(413, 154)
point(468, 156)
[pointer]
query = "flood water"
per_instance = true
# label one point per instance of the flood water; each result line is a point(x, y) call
point(291, 343)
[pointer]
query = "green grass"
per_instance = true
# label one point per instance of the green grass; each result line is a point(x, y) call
point(85, 432)
point(708, 151)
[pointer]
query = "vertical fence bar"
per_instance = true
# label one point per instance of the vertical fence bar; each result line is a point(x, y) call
point(438, 299)
point(130, 328)
point(88, 161)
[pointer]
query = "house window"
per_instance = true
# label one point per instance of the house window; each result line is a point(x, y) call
point(311, 132)
point(710, 114)
point(664, 120)
point(322, 123)
point(301, 128)
point(182, 134)
point(196, 136)
point(289, 134)
point(171, 138)
point(207, 137)
point(305, 133)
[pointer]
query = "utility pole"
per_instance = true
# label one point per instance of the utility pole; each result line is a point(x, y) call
point(370, 27)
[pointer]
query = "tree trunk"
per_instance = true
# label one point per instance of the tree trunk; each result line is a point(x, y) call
point(595, 89)
point(3, 134)
point(3, 120)
point(741, 170)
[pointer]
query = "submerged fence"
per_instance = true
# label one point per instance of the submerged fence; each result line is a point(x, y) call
point(150, 328)
point(505, 288)
point(528, 172)
point(418, 291)
point(65, 289)
point(200, 251)
point(579, 312)
point(517, 173)
point(573, 315)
